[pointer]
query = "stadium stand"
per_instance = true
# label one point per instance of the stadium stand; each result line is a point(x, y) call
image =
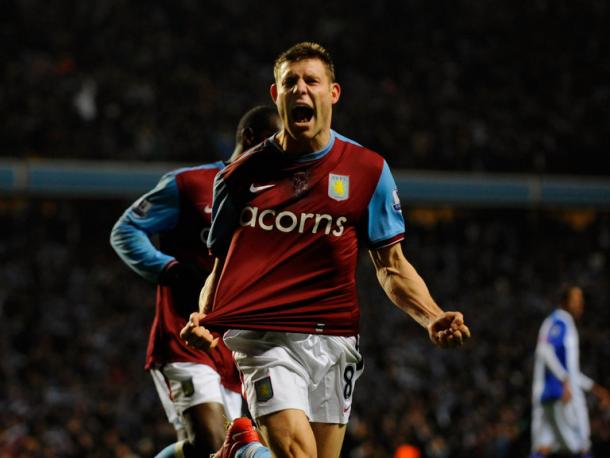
point(430, 85)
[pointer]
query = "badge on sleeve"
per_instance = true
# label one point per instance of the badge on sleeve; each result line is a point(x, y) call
point(141, 208)
point(396, 203)
point(338, 186)
point(555, 331)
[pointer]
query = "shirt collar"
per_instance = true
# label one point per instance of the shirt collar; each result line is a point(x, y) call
point(316, 154)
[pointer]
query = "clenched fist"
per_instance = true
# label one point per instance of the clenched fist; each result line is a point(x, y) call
point(449, 330)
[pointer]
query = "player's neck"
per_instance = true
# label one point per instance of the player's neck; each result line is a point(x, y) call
point(238, 151)
point(296, 146)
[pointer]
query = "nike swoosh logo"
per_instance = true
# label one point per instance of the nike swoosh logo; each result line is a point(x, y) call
point(255, 189)
point(346, 409)
point(207, 209)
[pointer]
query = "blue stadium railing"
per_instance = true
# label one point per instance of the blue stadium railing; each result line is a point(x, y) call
point(100, 179)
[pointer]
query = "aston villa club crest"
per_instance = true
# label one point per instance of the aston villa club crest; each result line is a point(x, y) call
point(263, 389)
point(338, 186)
point(188, 387)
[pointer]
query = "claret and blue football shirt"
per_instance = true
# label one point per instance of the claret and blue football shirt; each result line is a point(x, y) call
point(289, 229)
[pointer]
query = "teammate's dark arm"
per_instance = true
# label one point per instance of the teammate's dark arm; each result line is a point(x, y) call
point(408, 291)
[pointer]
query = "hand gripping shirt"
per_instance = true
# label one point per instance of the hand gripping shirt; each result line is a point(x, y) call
point(179, 211)
point(289, 228)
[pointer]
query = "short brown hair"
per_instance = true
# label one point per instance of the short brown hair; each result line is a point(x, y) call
point(305, 50)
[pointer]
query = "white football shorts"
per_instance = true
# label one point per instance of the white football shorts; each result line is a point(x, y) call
point(312, 373)
point(561, 427)
point(191, 384)
point(168, 405)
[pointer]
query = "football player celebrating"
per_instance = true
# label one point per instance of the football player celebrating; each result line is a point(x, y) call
point(289, 218)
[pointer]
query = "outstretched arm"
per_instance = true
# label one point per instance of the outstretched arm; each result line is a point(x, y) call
point(408, 291)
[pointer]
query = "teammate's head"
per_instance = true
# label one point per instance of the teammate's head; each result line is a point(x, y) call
point(255, 125)
point(572, 300)
point(304, 92)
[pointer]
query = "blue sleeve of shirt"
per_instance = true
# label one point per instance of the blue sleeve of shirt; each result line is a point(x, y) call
point(155, 212)
point(385, 215)
point(225, 218)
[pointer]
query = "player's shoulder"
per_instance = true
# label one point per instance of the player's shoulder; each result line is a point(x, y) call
point(203, 169)
point(212, 167)
point(203, 172)
point(557, 323)
point(561, 316)
point(359, 154)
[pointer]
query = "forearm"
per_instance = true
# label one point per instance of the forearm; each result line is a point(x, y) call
point(155, 212)
point(405, 287)
point(134, 247)
point(206, 297)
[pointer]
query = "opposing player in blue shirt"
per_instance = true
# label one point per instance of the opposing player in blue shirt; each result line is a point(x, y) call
point(560, 421)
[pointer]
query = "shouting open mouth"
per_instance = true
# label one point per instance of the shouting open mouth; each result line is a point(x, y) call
point(302, 114)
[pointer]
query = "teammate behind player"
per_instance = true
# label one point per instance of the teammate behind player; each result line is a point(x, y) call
point(288, 222)
point(560, 421)
point(203, 387)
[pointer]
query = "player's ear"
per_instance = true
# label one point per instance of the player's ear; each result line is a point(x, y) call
point(248, 138)
point(273, 92)
point(335, 92)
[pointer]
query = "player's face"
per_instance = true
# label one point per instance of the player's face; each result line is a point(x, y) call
point(304, 95)
point(575, 302)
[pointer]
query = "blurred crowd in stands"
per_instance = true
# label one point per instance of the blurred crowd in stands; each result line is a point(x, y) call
point(74, 324)
point(463, 85)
